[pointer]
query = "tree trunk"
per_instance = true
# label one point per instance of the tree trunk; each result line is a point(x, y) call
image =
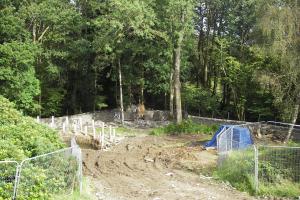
point(172, 93)
point(34, 32)
point(177, 84)
point(294, 119)
point(121, 91)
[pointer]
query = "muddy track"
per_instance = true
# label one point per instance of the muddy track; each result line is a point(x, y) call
point(155, 168)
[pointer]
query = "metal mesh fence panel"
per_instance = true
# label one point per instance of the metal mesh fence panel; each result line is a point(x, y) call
point(224, 140)
point(8, 172)
point(278, 166)
point(239, 168)
point(45, 176)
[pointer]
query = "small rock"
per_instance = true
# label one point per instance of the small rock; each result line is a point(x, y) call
point(169, 174)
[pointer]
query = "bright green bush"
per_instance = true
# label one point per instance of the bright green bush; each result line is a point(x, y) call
point(21, 137)
point(186, 127)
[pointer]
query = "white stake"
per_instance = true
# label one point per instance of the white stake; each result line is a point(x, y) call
point(86, 130)
point(80, 124)
point(64, 128)
point(67, 121)
point(94, 129)
point(114, 134)
point(75, 128)
point(52, 121)
point(38, 119)
point(110, 133)
point(102, 135)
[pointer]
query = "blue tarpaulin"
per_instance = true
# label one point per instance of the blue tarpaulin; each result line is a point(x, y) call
point(241, 137)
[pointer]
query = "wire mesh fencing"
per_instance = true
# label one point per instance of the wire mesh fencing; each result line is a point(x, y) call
point(239, 164)
point(42, 177)
point(260, 169)
point(278, 166)
point(8, 173)
point(233, 138)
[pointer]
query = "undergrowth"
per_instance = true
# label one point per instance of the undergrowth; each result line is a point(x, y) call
point(238, 170)
point(186, 127)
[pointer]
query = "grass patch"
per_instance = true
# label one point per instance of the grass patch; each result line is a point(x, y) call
point(186, 127)
point(86, 193)
point(238, 170)
point(284, 188)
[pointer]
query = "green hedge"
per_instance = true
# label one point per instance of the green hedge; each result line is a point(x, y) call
point(21, 137)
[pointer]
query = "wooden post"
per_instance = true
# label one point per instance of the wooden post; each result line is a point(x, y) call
point(94, 129)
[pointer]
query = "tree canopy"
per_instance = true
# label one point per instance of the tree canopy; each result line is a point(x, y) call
point(230, 59)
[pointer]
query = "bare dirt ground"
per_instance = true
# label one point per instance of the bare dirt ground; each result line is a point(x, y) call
point(156, 168)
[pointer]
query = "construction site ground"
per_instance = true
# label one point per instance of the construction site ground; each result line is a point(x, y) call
point(146, 167)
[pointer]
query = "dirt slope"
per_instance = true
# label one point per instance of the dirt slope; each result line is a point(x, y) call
point(156, 168)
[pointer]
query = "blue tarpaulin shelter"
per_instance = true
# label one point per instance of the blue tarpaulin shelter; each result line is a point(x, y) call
point(241, 137)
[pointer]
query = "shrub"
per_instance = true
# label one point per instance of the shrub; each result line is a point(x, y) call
point(186, 127)
point(21, 137)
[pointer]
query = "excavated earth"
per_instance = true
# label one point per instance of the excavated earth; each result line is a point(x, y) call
point(156, 168)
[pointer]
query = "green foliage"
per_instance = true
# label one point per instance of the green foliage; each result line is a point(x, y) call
point(53, 175)
point(276, 173)
point(199, 99)
point(241, 177)
point(22, 136)
point(17, 75)
point(186, 127)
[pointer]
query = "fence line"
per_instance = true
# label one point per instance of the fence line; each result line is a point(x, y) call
point(270, 166)
point(42, 176)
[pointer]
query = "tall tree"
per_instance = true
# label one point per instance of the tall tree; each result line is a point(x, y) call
point(124, 21)
point(279, 23)
point(177, 22)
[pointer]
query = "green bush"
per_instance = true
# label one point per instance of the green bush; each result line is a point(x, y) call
point(186, 127)
point(21, 137)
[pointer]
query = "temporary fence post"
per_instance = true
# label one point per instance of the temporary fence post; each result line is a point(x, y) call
point(256, 168)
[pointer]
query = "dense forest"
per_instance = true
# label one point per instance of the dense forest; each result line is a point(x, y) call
point(236, 59)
